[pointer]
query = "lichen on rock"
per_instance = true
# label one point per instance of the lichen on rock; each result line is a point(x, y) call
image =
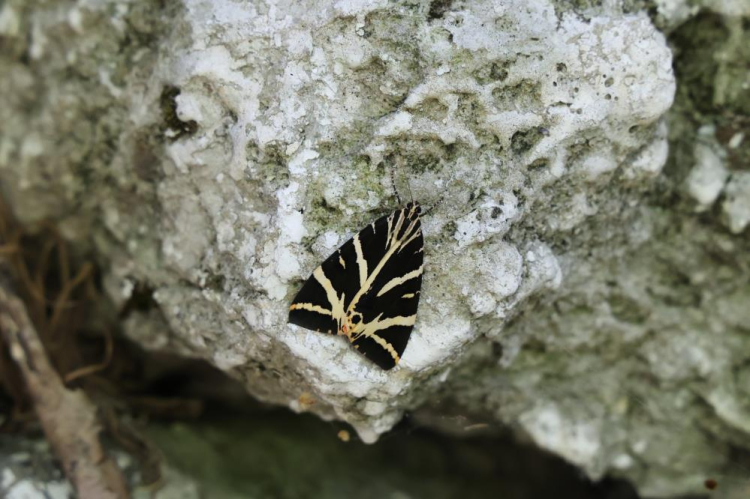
point(213, 153)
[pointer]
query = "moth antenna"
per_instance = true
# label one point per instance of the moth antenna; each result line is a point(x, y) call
point(434, 205)
point(437, 203)
point(393, 184)
point(408, 187)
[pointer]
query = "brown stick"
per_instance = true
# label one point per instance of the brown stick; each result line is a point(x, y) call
point(68, 417)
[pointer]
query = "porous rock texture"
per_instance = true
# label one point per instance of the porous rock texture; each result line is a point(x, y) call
point(213, 153)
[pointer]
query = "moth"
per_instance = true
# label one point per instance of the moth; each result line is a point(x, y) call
point(368, 289)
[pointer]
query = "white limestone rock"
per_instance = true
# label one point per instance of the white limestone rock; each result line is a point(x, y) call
point(213, 153)
point(709, 174)
point(736, 205)
point(675, 12)
point(303, 80)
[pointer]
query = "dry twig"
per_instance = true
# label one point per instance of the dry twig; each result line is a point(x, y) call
point(68, 417)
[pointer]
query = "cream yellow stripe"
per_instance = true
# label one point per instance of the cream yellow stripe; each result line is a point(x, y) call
point(310, 307)
point(411, 232)
point(361, 262)
point(396, 281)
point(392, 248)
point(399, 320)
point(386, 346)
point(379, 340)
point(397, 228)
point(337, 306)
point(377, 325)
point(388, 232)
point(413, 236)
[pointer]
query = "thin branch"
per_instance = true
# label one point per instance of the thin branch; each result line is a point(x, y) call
point(61, 302)
point(68, 417)
point(109, 347)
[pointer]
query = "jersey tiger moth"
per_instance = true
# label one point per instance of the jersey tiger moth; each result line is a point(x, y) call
point(368, 289)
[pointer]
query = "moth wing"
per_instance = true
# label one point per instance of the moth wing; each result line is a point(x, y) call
point(389, 307)
point(337, 279)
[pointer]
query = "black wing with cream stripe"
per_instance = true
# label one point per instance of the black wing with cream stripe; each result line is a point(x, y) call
point(368, 290)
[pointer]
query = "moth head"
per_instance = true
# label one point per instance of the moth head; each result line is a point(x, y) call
point(352, 324)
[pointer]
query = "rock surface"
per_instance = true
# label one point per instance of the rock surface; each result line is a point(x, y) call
point(266, 453)
point(212, 153)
